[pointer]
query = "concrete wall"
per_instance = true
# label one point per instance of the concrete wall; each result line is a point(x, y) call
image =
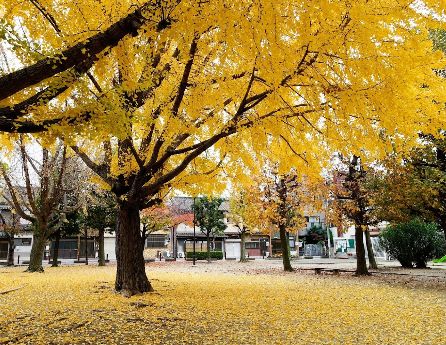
point(109, 247)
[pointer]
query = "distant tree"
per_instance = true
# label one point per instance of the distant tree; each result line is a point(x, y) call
point(277, 199)
point(70, 225)
point(316, 234)
point(413, 243)
point(352, 200)
point(100, 213)
point(43, 201)
point(240, 212)
point(414, 184)
point(155, 218)
point(209, 218)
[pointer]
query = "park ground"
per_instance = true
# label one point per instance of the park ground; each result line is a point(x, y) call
point(223, 303)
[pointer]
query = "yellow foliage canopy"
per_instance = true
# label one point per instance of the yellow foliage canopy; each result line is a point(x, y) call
point(240, 77)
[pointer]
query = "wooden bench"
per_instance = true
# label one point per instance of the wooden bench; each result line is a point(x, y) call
point(335, 271)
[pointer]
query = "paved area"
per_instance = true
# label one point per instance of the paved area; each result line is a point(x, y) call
point(301, 264)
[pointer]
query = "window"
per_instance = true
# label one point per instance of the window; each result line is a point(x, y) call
point(201, 246)
point(252, 245)
point(156, 241)
point(22, 241)
point(307, 219)
point(3, 250)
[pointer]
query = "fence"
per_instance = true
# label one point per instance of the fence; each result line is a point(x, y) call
point(314, 250)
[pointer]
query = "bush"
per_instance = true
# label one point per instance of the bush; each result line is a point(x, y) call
point(316, 234)
point(204, 255)
point(413, 243)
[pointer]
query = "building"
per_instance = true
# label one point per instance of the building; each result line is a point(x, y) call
point(345, 244)
point(22, 240)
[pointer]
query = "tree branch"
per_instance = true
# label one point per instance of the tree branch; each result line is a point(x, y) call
point(100, 169)
point(15, 201)
point(91, 47)
point(186, 73)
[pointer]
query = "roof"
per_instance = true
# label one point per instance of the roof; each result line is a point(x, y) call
point(4, 206)
point(186, 230)
point(183, 204)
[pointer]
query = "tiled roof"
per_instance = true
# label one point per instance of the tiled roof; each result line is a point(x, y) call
point(184, 204)
point(186, 230)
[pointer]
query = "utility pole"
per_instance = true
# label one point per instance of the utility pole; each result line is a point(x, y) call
point(86, 248)
point(194, 230)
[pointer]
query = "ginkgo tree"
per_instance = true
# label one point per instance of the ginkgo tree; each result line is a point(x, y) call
point(352, 199)
point(207, 83)
point(46, 188)
point(278, 199)
point(243, 213)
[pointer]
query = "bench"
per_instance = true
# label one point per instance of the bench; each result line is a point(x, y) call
point(335, 271)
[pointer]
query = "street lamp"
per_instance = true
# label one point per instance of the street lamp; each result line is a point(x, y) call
point(193, 208)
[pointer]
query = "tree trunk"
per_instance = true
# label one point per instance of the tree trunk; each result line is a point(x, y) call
point(285, 249)
point(56, 250)
point(361, 263)
point(10, 250)
point(101, 252)
point(131, 276)
point(420, 264)
point(208, 247)
point(243, 247)
point(370, 253)
point(36, 257)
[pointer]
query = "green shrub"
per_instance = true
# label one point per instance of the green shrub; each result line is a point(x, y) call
point(413, 243)
point(204, 255)
point(438, 261)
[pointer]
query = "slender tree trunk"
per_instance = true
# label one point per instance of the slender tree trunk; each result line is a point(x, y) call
point(101, 253)
point(36, 257)
point(208, 247)
point(285, 249)
point(361, 263)
point(243, 247)
point(56, 250)
point(131, 276)
point(10, 250)
point(370, 253)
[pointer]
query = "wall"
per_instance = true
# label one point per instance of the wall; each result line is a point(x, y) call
point(109, 247)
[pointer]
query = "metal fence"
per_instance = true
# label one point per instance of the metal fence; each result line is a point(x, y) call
point(314, 250)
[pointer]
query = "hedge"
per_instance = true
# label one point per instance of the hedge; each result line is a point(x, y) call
point(204, 255)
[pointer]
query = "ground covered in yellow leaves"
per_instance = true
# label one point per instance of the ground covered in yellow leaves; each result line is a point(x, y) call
point(77, 305)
